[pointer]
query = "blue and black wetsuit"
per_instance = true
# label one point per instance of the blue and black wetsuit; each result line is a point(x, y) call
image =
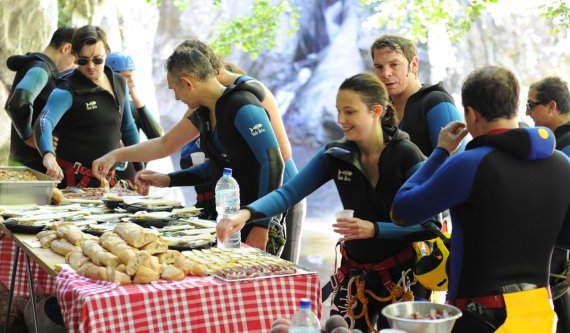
point(34, 81)
point(89, 120)
point(509, 197)
point(242, 140)
point(426, 113)
point(340, 161)
point(560, 256)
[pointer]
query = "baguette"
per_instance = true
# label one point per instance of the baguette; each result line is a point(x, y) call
point(93, 271)
point(135, 235)
point(70, 232)
point(63, 247)
point(127, 254)
point(98, 255)
point(156, 247)
point(46, 237)
point(172, 273)
point(168, 256)
point(116, 276)
point(145, 275)
point(76, 259)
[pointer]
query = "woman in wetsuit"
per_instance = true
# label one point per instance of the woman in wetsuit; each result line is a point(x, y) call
point(368, 166)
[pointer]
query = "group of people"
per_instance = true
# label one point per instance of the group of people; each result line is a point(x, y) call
point(400, 164)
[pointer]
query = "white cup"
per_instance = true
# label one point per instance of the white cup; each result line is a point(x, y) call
point(198, 158)
point(344, 213)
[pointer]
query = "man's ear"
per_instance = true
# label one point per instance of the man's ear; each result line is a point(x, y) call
point(552, 106)
point(65, 48)
point(472, 115)
point(186, 82)
point(415, 65)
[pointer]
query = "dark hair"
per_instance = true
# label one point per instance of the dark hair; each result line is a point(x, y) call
point(60, 36)
point(88, 35)
point(189, 61)
point(372, 92)
point(206, 50)
point(234, 68)
point(395, 44)
point(492, 91)
point(553, 89)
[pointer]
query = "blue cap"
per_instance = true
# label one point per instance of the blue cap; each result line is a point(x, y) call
point(119, 61)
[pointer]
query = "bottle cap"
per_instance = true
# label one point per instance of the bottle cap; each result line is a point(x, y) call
point(227, 171)
point(305, 303)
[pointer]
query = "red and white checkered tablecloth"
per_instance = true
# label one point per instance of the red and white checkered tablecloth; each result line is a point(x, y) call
point(191, 305)
point(7, 254)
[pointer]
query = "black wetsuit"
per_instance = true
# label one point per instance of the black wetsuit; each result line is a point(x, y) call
point(89, 120)
point(242, 140)
point(560, 255)
point(509, 197)
point(426, 112)
point(34, 81)
point(340, 161)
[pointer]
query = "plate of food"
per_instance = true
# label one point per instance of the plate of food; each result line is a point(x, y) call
point(18, 228)
point(182, 235)
point(151, 219)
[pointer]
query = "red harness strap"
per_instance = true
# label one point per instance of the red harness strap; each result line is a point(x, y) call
point(381, 267)
point(205, 196)
point(72, 169)
point(489, 302)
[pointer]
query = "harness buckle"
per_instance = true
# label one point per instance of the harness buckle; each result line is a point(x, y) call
point(76, 167)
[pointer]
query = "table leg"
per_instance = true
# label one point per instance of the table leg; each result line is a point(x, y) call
point(32, 293)
point(11, 291)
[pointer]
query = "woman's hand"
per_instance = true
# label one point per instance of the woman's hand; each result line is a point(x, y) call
point(231, 224)
point(101, 166)
point(353, 228)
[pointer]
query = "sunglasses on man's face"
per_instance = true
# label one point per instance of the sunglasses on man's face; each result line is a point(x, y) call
point(531, 104)
point(85, 61)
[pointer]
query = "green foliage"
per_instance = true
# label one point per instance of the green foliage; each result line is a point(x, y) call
point(257, 31)
point(558, 13)
point(415, 17)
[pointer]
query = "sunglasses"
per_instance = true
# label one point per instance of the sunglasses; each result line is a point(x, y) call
point(531, 104)
point(85, 61)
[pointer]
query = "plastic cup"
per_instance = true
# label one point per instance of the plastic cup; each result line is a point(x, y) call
point(198, 158)
point(344, 213)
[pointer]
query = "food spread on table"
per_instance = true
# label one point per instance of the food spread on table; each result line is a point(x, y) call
point(17, 175)
point(111, 243)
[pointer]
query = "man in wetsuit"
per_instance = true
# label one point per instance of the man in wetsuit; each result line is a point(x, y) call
point(548, 105)
point(35, 79)
point(509, 198)
point(422, 110)
point(90, 111)
point(234, 132)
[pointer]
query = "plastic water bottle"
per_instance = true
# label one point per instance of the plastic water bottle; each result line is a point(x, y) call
point(304, 320)
point(227, 202)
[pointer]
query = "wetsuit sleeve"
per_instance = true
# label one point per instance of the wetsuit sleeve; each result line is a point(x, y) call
point(566, 150)
point(58, 103)
point(196, 175)
point(436, 186)
point(20, 105)
point(440, 115)
point(148, 124)
point(253, 124)
point(130, 135)
point(310, 178)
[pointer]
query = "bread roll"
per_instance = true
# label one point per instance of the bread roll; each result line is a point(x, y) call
point(63, 247)
point(189, 267)
point(93, 271)
point(56, 197)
